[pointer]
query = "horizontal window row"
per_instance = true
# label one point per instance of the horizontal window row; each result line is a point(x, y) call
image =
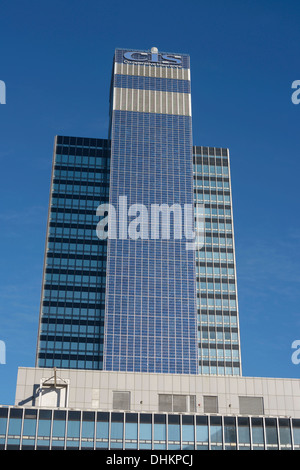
point(167, 366)
point(61, 169)
point(88, 216)
point(87, 186)
point(72, 259)
point(214, 271)
point(217, 210)
point(204, 319)
point(202, 169)
point(134, 361)
point(221, 226)
point(58, 265)
point(60, 197)
point(221, 241)
point(85, 269)
point(153, 328)
point(87, 322)
point(80, 175)
point(80, 216)
point(97, 160)
point(94, 363)
point(172, 173)
point(228, 354)
point(73, 288)
point(85, 151)
point(70, 327)
point(75, 203)
point(72, 345)
point(76, 233)
point(215, 286)
point(69, 335)
point(161, 122)
point(211, 151)
point(87, 190)
point(82, 141)
point(70, 225)
point(69, 429)
point(214, 256)
point(67, 295)
point(62, 314)
point(152, 83)
point(57, 359)
point(216, 303)
point(214, 370)
point(217, 279)
point(74, 247)
point(220, 336)
point(212, 191)
point(73, 349)
point(199, 197)
point(72, 308)
point(211, 183)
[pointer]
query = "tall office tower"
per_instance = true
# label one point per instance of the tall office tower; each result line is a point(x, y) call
point(150, 315)
point(73, 292)
point(218, 321)
point(140, 300)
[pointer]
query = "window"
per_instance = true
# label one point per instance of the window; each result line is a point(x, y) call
point(216, 432)
point(177, 403)
point(145, 431)
point(251, 405)
point(121, 400)
point(244, 433)
point(230, 433)
point(296, 432)
point(173, 430)
point(202, 432)
point(131, 430)
point(188, 432)
point(257, 433)
point(159, 431)
point(210, 404)
point(88, 430)
point(285, 433)
point(29, 428)
point(271, 434)
point(117, 429)
point(3, 424)
point(59, 427)
point(102, 430)
point(44, 429)
point(73, 429)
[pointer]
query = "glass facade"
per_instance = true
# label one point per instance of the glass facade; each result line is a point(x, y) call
point(150, 320)
point(73, 293)
point(217, 303)
point(141, 302)
point(43, 429)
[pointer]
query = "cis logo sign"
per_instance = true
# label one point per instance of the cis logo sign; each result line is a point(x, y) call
point(154, 57)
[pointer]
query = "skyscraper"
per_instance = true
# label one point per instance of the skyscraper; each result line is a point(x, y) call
point(150, 321)
point(133, 303)
point(73, 293)
point(217, 302)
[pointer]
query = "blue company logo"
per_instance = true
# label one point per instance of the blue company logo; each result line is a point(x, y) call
point(153, 57)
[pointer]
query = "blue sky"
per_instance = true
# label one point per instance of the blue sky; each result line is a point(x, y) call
point(56, 60)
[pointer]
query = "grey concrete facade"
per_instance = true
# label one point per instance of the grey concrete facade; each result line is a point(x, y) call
point(148, 392)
